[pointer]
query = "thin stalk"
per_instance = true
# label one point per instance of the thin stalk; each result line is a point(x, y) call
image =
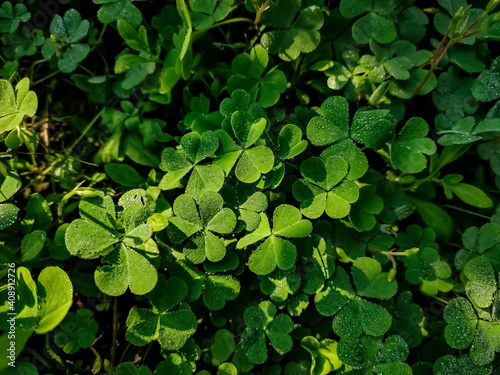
point(115, 331)
point(232, 20)
point(466, 211)
point(46, 77)
point(37, 355)
point(51, 352)
point(147, 351)
point(85, 131)
point(122, 357)
point(441, 300)
point(87, 70)
point(443, 49)
point(99, 40)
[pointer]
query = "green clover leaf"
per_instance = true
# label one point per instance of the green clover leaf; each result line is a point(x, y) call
point(424, 267)
point(168, 323)
point(373, 128)
point(366, 352)
point(174, 364)
point(276, 251)
point(14, 107)
point(355, 315)
point(10, 16)
point(201, 227)
point(323, 353)
point(205, 13)
point(130, 256)
point(480, 242)
point(77, 330)
point(247, 75)
point(240, 100)
point(262, 321)
point(69, 30)
point(373, 26)
point(347, 149)
point(333, 123)
point(200, 119)
point(252, 162)
point(290, 39)
point(112, 10)
point(248, 204)
point(462, 321)
point(247, 72)
point(464, 328)
point(219, 289)
point(290, 142)
point(407, 152)
point(9, 185)
point(370, 281)
point(363, 211)
point(223, 345)
point(406, 319)
point(278, 285)
point(354, 244)
point(318, 262)
point(98, 219)
point(40, 307)
point(485, 86)
point(227, 369)
point(481, 282)
point(178, 163)
point(459, 366)
point(325, 188)
point(24, 42)
point(8, 215)
point(54, 296)
point(453, 97)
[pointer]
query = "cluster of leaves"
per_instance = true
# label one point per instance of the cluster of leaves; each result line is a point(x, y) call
point(261, 187)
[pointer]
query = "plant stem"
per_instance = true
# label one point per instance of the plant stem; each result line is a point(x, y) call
point(99, 40)
point(122, 357)
point(443, 49)
point(91, 123)
point(466, 211)
point(45, 78)
point(147, 351)
point(51, 352)
point(87, 70)
point(115, 331)
point(35, 353)
point(441, 300)
point(232, 20)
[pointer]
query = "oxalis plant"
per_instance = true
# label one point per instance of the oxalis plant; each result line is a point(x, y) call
point(258, 187)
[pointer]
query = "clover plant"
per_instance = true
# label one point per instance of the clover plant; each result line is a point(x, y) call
point(258, 187)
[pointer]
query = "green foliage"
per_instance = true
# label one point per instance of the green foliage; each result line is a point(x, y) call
point(66, 33)
point(16, 105)
point(40, 306)
point(76, 331)
point(273, 187)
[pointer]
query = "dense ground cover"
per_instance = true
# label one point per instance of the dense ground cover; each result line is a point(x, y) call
point(249, 187)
